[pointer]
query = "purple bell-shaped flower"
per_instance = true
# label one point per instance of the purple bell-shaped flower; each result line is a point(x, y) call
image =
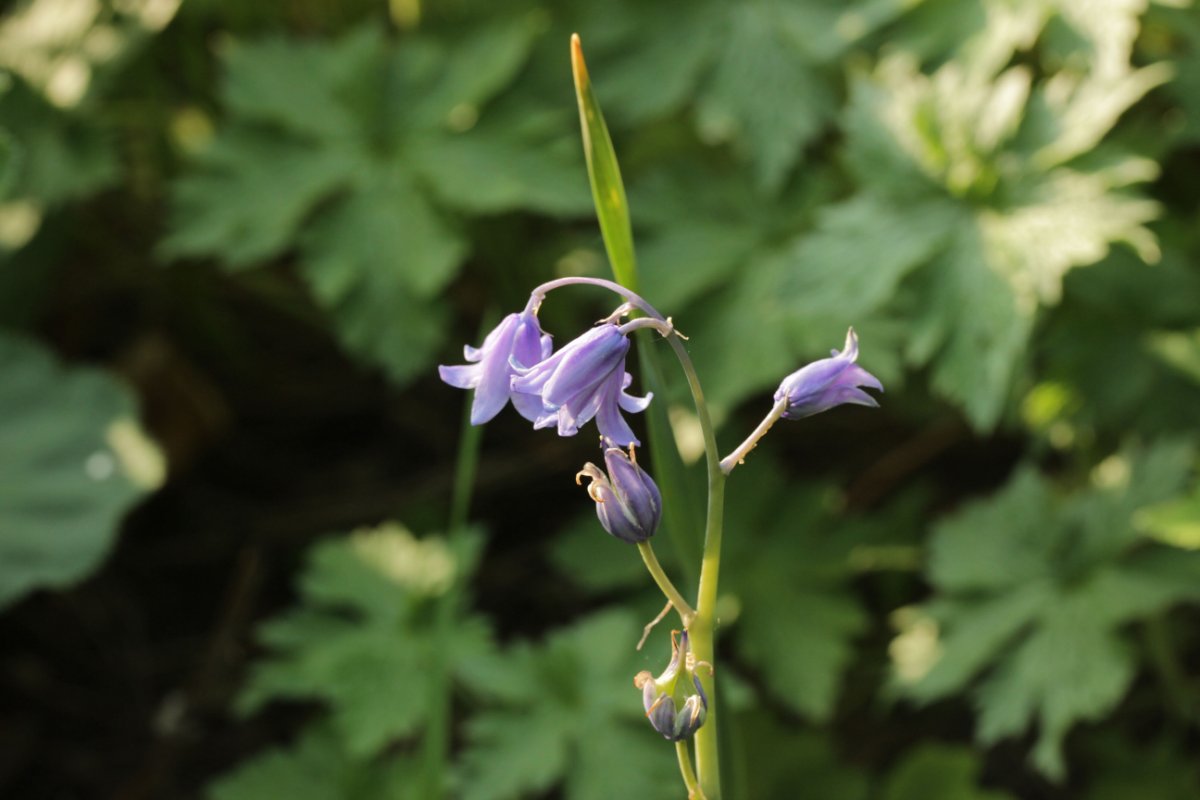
point(585, 379)
point(830, 382)
point(516, 343)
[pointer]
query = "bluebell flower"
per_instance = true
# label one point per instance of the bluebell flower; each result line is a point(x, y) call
point(675, 702)
point(517, 342)
point(627, 501)
point(585, 379)
point(830, 382)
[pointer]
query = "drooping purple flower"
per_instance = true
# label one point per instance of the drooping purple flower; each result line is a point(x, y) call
point(517, 342)
point(585, 379)
point(628, 502)
point(829, 382)
point(675, 702)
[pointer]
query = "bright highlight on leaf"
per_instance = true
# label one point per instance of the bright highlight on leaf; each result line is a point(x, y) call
point(74, 463)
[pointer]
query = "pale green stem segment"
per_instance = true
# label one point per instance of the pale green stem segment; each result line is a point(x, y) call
point(436, 744)
point(608, 190)
point(685, 769)
point(701, 630)
point(742, 450)
point(685, 610)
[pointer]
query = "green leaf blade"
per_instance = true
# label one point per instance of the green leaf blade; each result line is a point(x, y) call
point(608, 190)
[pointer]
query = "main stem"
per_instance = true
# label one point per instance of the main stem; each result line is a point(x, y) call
point(708, 765)
point(701, 630)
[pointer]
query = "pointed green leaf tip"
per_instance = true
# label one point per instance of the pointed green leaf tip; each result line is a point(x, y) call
point(604, 173)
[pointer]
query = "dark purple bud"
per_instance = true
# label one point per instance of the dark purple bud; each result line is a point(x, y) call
point(516, 343)
point(585, 379)
point(690, 717)
point(829, 382)
point(660, 708)
point(627, 501)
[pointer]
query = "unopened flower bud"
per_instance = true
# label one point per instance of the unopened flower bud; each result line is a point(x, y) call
point(627, 501)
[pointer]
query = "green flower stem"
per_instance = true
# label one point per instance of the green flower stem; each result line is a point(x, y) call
point(685, 610)
point(685, 768)
point(701, 630)
point(436, 743)
point(742, 450)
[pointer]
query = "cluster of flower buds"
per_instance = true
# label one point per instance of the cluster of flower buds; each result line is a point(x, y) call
point(675, 701)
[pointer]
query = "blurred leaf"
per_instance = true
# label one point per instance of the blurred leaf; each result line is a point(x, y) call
point(363, 640)
point(74, 461)
point(1180, 350)
point(1032, 590)
point(1176, 31)
point(764, 94)
point(796, 625)
point(1114, 322)
point(593, 559)
point(781, 761)
point(1175, 522)
point(580, 718)
point(862, 248)
point(317, 767)
point(63, 155)
point(9, 158)
point(325, 166)
point(938, 772)
point(717, 254)
point(268, 186)
point(993, 241)
point(675, 43)
point(1127, 770)
point(527, 166)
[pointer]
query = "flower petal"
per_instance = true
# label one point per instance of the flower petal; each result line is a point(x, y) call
point(464, 376)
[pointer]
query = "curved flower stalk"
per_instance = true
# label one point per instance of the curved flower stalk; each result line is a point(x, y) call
point(814, 388)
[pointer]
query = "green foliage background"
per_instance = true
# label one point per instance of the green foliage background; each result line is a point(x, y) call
point(268, 222)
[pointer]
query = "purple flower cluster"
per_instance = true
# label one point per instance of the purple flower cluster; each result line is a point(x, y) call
point(586, 379)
